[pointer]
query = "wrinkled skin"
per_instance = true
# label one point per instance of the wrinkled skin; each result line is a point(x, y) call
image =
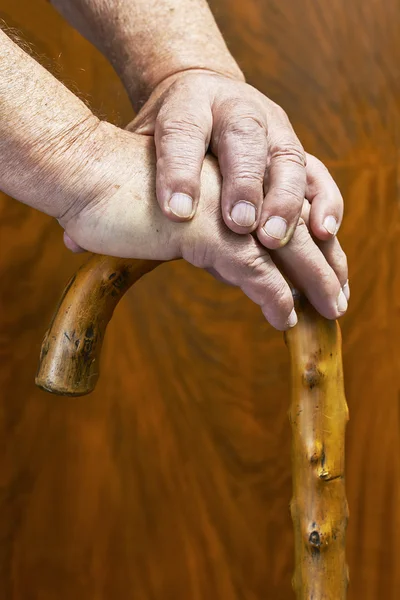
point(266, 173)
point(125, 220)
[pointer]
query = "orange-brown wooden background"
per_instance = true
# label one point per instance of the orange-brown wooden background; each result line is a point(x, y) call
point(172, 481)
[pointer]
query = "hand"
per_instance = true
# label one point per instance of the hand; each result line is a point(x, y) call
point(99, 182)
point(124, 219)
point(266, 173)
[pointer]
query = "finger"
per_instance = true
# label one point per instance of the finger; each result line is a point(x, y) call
point(336, 258)
point(332, 251)
point(286, 187)
point(182, 134)
point(250, 267)
point(325, 198)
point(71, 245)
point(306, 267)
point(241, 147)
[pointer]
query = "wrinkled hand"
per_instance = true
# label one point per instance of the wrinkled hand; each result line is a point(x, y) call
point(266, 173)
point(123, 219)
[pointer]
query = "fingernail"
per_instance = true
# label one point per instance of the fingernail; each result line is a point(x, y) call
point(341, 302)
point(292, 320)
point(331, 225)
point(276, 227)
point(346, 290)
point(181, 205)
point(243, 214)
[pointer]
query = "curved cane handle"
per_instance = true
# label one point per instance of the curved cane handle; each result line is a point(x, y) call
point(70, 354)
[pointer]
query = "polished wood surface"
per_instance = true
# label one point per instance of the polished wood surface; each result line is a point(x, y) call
point(172, 481)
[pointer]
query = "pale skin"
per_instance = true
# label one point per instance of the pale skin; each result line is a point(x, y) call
point(192, 96)
point(99, 182)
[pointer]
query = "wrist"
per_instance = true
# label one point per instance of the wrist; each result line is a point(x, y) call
point(86, 168)
point(147, 41)
point(48, 172)
point(160, 72)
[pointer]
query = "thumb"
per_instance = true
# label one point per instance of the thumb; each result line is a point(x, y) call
point(182, 134)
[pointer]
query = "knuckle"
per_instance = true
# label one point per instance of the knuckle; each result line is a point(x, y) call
point(258, 266)
point(181, 144)
point(288, 195)
point(245, 171)
point(236, 115)
point(280, 115)
point(271, 286)
point(316, 164)
point(178, 160)
point(185, 125)
point(244, 127)
point(240, 161)
point(280, 297)
point(289, 151)
point(327, 281)
point(283, 116)
point(327, 285)
point(242, 149)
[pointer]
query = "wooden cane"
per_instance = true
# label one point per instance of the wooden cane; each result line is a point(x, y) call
point(69, 366)
point(318, 415)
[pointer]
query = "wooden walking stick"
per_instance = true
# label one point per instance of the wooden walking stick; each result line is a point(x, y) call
point(318, 415)
point(69, 365)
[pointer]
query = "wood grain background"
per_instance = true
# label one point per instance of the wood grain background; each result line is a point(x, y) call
point(172, 481)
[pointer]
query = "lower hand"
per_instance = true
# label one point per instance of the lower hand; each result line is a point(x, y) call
point(124, 219)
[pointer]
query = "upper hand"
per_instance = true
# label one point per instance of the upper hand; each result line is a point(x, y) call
point(266, 173)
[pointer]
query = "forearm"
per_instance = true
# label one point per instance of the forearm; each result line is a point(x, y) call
point(148, 40)
point(46, 135)
point(57, 157)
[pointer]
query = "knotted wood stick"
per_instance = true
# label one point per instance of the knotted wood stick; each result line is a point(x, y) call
point(318, 415)
point(69, 366)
